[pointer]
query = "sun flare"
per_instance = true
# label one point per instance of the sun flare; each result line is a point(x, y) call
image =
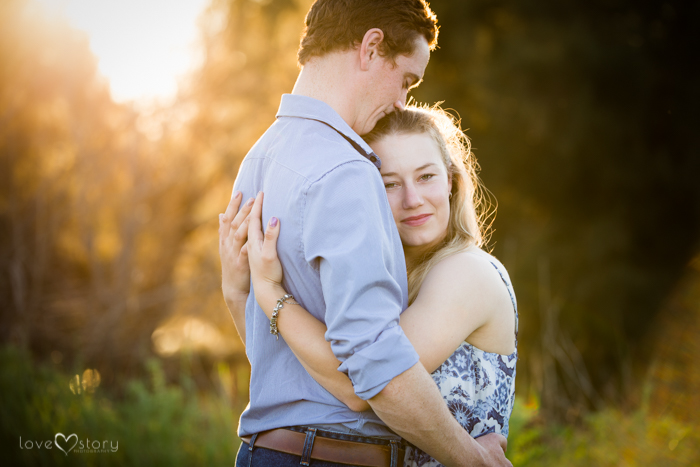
point(143, 46)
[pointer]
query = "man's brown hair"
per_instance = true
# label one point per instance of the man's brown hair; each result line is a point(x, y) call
point(341, 24)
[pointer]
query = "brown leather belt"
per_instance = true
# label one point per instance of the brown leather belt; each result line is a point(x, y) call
point(327, 449)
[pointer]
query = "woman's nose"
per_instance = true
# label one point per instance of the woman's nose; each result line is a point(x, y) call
point(411, 197)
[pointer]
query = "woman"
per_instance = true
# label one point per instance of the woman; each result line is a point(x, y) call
point(462, 318)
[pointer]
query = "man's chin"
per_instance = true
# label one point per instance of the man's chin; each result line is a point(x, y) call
point(370, 128)
point(363, 131)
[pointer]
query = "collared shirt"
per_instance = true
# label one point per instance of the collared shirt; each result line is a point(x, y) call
point(342, 260)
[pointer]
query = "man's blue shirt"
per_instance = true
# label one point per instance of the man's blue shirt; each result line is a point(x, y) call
point(342, 260)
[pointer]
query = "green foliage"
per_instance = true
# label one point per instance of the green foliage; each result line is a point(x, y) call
point(609, 437)
point(153, 424)
point(160, 424)
point(525, 436)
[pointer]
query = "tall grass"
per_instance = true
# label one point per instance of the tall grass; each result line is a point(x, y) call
point(609, 437)
point(159, 424)
point(153, 424)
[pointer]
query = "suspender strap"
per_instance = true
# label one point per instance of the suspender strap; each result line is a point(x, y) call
point(394, 453)
point(308, 446)
point(250, 449)
point(372, 157)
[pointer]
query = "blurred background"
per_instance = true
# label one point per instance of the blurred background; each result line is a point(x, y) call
point(122, 126)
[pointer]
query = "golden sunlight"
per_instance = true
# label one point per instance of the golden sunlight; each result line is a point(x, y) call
point(195, 335)
point(143, 46)
point(88, 383)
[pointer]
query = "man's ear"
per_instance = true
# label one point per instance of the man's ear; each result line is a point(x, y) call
point(369, 49)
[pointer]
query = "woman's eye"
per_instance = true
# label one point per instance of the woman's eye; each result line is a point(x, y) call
point(389, 185)
point(427, 176)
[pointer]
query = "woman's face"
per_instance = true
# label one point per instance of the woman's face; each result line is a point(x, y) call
point(418, 188)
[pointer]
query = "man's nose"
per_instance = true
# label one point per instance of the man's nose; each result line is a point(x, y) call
point(400, 103)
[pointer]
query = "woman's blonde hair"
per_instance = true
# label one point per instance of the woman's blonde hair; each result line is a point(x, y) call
point(471, 208)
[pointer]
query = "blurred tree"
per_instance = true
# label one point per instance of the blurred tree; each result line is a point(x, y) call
point(249, 62)
point(673, 387)
point(581, 114)
point(92, 214)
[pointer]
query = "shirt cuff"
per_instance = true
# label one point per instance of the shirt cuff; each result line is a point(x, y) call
point(371, 368)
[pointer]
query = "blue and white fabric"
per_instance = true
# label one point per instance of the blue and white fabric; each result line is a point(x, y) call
point(478, 386)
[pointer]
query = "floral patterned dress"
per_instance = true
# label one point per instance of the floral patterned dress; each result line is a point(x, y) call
point(478, 386)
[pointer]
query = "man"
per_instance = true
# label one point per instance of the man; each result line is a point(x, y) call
point(341, 253)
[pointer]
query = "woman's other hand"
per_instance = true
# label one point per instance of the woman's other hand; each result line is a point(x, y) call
point(265, 266)
point(233, 233)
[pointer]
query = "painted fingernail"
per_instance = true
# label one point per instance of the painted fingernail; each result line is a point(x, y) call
point(237, 194)
point(250, 202)
point(273, 222)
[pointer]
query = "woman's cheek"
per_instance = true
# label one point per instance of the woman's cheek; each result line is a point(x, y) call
point(395, 205)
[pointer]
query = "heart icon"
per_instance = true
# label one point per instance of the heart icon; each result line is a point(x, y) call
point(55, 441)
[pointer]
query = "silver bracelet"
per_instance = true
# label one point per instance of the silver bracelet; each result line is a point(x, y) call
point(276, 312)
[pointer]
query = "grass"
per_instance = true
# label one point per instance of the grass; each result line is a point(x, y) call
point(154, 424)
point(607, 438)
point(159, 424)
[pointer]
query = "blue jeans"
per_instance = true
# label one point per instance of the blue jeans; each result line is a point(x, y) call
point(261, 457)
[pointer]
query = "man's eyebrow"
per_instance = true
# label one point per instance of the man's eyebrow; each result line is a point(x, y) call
point(415, 80)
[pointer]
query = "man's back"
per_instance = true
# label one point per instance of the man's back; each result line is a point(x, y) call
point(342, 260)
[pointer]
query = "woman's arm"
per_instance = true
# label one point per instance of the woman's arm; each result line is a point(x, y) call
point(462, 296)
point(305, 336)
point(301, 331)
point(235, 272)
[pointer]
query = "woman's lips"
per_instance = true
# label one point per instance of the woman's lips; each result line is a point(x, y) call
point(416, 220)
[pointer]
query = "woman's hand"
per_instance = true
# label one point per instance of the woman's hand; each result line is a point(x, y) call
point(301, 331)
point(233, 233)
point(265, 266)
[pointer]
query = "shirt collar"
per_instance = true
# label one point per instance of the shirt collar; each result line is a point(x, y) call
point(293, 105)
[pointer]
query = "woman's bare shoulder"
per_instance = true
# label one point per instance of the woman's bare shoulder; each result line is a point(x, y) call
point(468, 276)
point(470, 269)
point(463, 294)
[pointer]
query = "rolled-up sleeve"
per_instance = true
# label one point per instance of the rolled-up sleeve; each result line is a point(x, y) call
point(349, 236)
